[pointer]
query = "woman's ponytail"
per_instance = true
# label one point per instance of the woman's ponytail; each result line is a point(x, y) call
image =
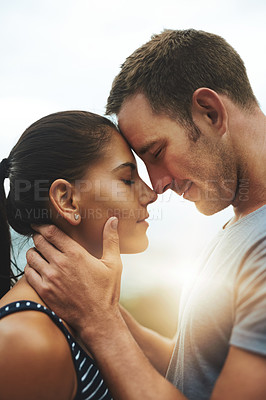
point(5, 240)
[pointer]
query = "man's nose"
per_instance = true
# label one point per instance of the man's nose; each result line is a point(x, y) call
point(160, 178)
point(160, 183)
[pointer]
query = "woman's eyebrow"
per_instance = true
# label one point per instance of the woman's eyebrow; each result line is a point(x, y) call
point(124, 165)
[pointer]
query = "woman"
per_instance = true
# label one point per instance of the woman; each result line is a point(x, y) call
point(72, 169)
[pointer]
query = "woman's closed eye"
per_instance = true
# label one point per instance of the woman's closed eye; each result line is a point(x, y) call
point(128, 182)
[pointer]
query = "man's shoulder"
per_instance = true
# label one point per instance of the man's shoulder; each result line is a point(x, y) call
point(246, 236)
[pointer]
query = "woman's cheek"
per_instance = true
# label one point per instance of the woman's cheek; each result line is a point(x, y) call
point(124, 227)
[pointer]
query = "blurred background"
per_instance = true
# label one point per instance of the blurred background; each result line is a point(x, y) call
point(63, 54)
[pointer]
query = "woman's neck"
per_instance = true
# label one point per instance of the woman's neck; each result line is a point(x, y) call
point(21, 291)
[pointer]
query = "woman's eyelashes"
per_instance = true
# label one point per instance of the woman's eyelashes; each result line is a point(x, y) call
point(128, 182)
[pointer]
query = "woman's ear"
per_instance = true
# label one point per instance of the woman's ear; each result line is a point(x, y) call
point(208, 110)
point(63, 198)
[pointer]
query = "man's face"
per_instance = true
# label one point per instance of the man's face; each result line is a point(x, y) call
point(203, 171)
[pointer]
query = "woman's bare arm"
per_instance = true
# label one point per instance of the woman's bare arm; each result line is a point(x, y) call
point(35, 361)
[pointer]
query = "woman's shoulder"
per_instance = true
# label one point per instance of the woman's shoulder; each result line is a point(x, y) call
point(19, 320)
point(35, 354)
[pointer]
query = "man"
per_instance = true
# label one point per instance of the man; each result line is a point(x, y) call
point(185, 105)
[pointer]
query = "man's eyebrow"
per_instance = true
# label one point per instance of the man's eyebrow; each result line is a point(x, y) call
point(146, 147)
point(124, 165)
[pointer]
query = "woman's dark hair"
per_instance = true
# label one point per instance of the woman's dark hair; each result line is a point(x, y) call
point(61, 145)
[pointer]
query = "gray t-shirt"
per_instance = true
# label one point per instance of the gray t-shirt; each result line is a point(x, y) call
point(225, 305)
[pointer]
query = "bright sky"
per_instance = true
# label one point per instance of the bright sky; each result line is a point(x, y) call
point(63, 54)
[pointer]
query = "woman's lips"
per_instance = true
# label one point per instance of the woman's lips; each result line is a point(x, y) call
point(143, 219)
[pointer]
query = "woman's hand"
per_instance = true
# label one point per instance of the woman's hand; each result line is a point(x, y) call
point(83, 290)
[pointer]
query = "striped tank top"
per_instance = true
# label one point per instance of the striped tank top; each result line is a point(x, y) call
point(91, 385)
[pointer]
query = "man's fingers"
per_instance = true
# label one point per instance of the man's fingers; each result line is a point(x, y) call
point(56, 237)
point(111, 250)
point(33, 278)
point(35, 261)
point(47, 250)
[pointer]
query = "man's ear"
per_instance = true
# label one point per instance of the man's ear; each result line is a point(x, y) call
point(63, 198)
point(208, 108)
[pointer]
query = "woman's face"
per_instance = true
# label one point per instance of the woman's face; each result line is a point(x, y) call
point(112, 187)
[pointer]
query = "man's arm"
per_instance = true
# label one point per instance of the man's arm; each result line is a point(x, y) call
point(93, 310)
point(243, 377)
point(129, 374)
point(158, 349)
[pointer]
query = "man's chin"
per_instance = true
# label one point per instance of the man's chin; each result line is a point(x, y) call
point(210, 207)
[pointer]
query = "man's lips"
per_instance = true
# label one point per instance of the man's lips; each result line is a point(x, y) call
point(181, 190)
point(187, 187)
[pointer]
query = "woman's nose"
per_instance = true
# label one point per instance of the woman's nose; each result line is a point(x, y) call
point(147, 195)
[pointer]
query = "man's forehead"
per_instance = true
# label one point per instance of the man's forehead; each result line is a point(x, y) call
point(138, 142)
point(135, 103)
point(135, 110)
point(137, 124)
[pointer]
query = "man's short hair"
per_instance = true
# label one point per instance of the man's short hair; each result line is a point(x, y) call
point(172, 65)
